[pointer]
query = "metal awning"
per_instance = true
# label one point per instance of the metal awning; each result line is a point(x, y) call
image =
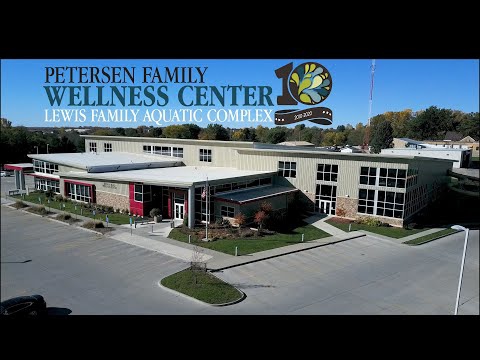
point(255, 194)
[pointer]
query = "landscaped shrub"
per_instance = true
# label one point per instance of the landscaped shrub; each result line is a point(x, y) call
point(340, 212)
point(64, 217)
point(93, 225)
point(368, 221)
point(38, 210)
point(58, 197)
point(49, 194)
point(155, 212)
point(185, 220)
point(221, 222)
point(240, 219)
point(19, 204)
point(244, 232)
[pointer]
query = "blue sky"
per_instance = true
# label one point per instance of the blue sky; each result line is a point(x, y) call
point(399, 84)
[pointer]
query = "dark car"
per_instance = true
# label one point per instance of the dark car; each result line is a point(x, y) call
point(31, 305)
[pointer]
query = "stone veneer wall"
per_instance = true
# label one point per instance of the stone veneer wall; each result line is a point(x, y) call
point(349, 205)
point(117, 201)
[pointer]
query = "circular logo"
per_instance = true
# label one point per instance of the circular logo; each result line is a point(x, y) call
point(310, 83)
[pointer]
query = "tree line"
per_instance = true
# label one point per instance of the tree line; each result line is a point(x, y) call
point(429, 124)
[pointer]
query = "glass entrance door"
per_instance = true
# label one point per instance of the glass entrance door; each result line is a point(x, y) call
point(325, 207)
point(179, 210)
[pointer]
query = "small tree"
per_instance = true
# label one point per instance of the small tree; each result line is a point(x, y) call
point(240, 219)
point(382, 137)
point(260, 218)
point(266, 207)
point(197, 263)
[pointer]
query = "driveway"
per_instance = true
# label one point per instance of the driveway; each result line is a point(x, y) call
point(363, 276)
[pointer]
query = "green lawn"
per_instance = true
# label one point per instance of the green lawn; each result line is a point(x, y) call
point(255, 244)
point(115, 218)
point(393, 232)
point(430, 237)
point(207, 287)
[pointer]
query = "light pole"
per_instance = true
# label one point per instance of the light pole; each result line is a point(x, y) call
point(461, 228)
point(47, 148)
point(37, 148)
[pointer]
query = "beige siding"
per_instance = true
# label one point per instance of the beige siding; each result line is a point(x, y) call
point(306, 179)
point(223, 153)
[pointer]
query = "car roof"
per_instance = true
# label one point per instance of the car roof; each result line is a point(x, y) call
point(20, 299)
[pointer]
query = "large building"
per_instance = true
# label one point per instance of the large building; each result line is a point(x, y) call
point(137, 174)
point(460, 154)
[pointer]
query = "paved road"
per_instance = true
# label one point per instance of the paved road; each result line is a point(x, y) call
point(92, 274)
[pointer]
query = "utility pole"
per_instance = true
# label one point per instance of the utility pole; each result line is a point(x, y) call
point(366, 139)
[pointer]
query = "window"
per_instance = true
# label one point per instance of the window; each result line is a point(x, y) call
point(93, 147)
point(227, 211)
point(327, 172)
point(390, 204)
point(107, 147)
point(206, 155)
point(392, 178)
point(162, 150)
point(366, 201)
point(142, 193)
point(44, 167)
point(147, 149)
point(368, 175)
point(287, 169)
point(177, 152)
point(79, 192)
point(412, 175)
point(47, 184)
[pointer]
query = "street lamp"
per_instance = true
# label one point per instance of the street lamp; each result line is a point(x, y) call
point(461, 228)
point(36, 147)
point(47, 148)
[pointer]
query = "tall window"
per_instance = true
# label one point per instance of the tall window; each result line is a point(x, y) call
point(47, 184)
point(412, 175)
point(327, 172)
point(392, 178)
point(287, 169)
point(206, 155)
point(366, 201)
point(142, 193)
point(368, 175)
point(227, 211)
point(390, 204)
point(326, 193)
point(93, 147)
point(79, 192)
point(107, 147)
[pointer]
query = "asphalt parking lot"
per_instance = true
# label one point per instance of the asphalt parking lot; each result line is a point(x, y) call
point(86, 273)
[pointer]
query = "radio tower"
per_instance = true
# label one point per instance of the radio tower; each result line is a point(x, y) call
point(366, 139)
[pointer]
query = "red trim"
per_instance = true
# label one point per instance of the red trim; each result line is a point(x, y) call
point(43, 177)
point(78, 182)
point(13, 167)
point(135, 206)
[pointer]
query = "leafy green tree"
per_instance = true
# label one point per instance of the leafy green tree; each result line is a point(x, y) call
point(470, 126)
point(277, 135)
point(214, 132)
point(261, 133)
point(382, 137)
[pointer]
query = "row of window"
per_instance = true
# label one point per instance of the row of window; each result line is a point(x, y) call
point(47, 184)
point(143, 193)
point(163, 150)
point(107, 147)
point(79, 192)
point(44, 167)
point(415, 200)
point(383, 177)
point(412, 177)
point(287, 169)
point(381, 203)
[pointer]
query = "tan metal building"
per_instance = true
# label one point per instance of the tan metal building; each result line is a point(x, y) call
point(140, 173)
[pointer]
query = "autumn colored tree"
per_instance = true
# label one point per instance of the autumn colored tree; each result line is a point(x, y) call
point(259, 219)
point(240, 219)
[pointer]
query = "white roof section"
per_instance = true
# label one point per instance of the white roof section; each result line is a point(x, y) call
point(108, 161)
point(296, 143)
point(175, 176)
